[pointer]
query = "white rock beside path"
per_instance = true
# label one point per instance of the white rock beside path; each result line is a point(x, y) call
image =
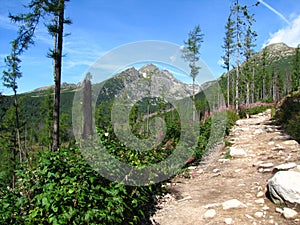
point(286, 166)
point(228, 221)
point(233, 204)
point(284, 187)
point(289, 213)
point(211, 213)
point(237, 152)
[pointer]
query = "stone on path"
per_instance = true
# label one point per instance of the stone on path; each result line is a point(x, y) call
point(209, 214)
point(228, 221)
point(289, 213)
point(291, 143)
point(266, 165)
point(259, 214)
point(259, 131)
point(286, 166)
point(260, 201)
point(233, 204)
point(237, 152)
point(284, 187)
point(260, 194)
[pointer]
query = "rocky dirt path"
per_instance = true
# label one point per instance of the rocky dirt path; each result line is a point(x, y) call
point(232, 191)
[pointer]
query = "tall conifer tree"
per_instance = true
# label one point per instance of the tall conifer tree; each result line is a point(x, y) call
point(191, 53)
point(38, 10)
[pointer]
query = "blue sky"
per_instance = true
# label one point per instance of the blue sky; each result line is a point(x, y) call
point(102, 25)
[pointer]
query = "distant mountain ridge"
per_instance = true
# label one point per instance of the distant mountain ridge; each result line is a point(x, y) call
point(64, 85)
point(278, 52)
point(132, 74)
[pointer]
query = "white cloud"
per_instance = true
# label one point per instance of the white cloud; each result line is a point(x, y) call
point(290, 34)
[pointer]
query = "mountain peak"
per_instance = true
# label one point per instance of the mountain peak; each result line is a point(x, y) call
point(277, 51)
point(149, 68)
point(277, 47)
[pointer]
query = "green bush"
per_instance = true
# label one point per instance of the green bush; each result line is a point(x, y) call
point(232, 117)
point(293, 127)
point(287, 115)
point(252, 111)
point(64, 189)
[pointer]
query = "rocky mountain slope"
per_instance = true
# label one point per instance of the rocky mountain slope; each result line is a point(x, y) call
point(276, 52)
point(159, 82)
point(130, 75)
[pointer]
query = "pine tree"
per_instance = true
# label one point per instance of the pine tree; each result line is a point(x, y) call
point(296, 70)
point(47, 114)
point(10, 77)
point(228, 51)
point(249, 44)
point(265, 76)
point(9, 145)
point(38, 10)
point(191, 53)
point(56, 29)
point(242, 20)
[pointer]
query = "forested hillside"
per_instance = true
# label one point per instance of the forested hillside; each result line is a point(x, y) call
point(268, 76)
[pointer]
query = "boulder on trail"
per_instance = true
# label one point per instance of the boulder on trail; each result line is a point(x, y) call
point(284, 187)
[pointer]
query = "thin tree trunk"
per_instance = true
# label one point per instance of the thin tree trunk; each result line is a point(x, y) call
point(147, 122)
point(57, 79)
point(87, 108)
point(228, 89)
point(248, 95)
point(252, 86)
point(194, 113)
point(18, 127)
point(264, 87)
point(237, 60)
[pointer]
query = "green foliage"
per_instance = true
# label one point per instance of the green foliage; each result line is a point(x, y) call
point(204, 135)
point(296, 70)
point(288, 115)
point(232, 117)
point(252, 111)
point(191, 50)
point(13, 72)
point(64, 189)
point(228, 143)
point(227, 155)
point(36, 110)
point(135, 157)
point(191, 53)
point(46, 111)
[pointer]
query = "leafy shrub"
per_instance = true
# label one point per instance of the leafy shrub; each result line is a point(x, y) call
point(64, 189)
point(287, 114)
point(232, 117)
point(293, 127)
point(257, 108)
point(212, 131)
point(204, 134)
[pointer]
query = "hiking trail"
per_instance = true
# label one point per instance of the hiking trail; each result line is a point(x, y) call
point(233, 191)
